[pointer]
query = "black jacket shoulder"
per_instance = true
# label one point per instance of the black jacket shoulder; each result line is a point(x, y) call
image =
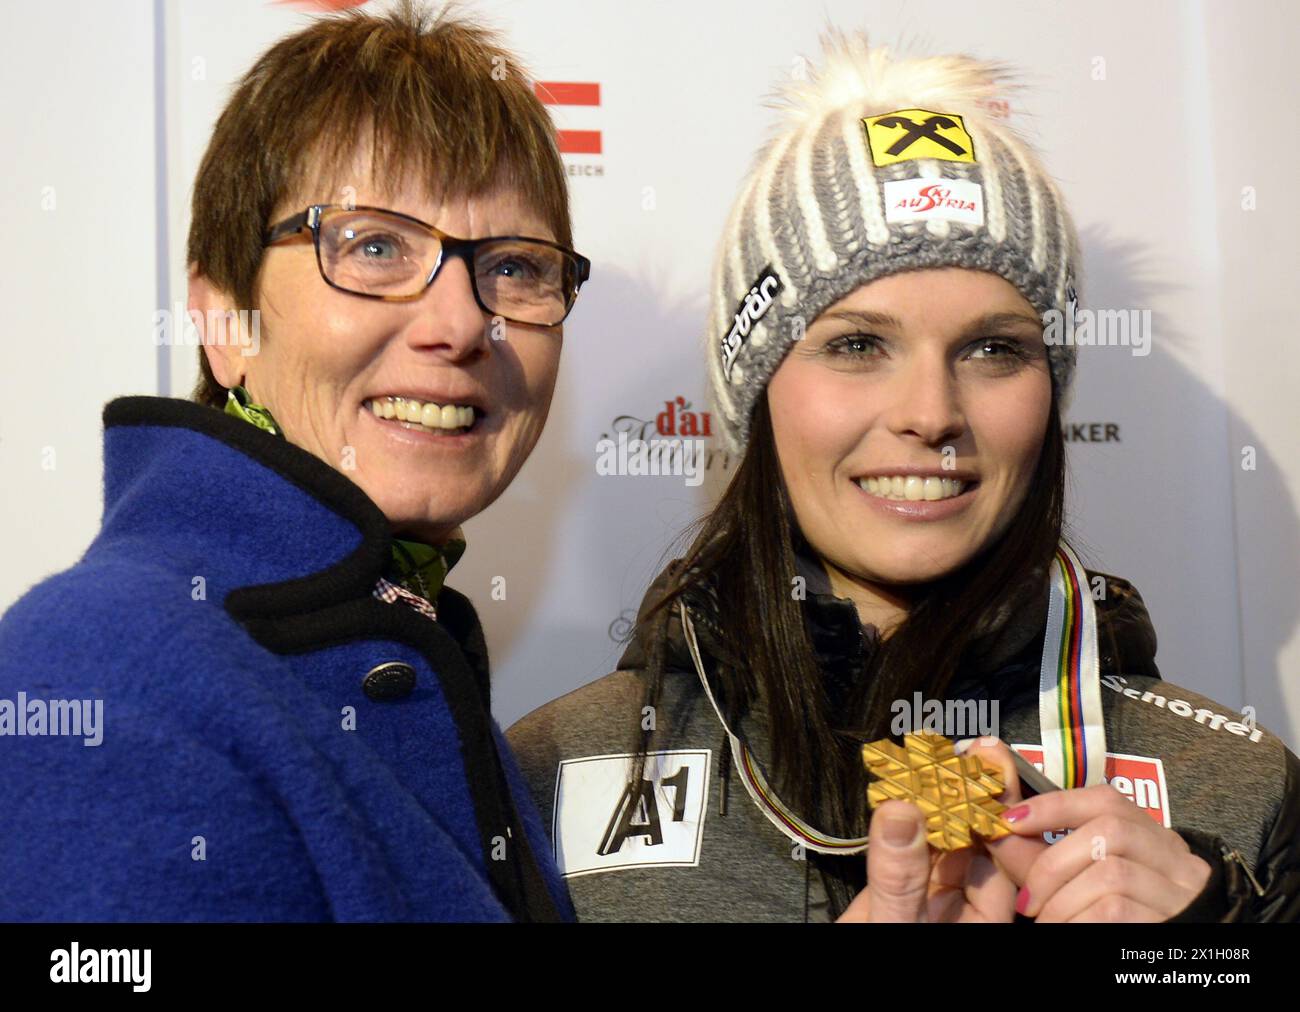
point(1126, 637)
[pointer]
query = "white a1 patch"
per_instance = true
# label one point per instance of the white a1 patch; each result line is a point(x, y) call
point(922, 199)
point(604, 823)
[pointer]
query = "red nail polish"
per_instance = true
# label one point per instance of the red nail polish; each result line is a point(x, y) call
point(1016, 814)
point(1022, 900)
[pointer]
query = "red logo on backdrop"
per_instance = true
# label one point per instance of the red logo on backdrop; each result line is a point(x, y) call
point(678, 420)
point(572, 93)
point(1138, 778)
point(324, 5)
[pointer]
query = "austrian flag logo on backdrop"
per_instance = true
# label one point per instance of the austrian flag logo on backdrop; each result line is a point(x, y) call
point(573, 94)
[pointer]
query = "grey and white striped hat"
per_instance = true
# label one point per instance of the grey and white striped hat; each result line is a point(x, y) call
point(881, 164)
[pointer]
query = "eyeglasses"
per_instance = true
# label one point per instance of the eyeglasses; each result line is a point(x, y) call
point(383, 254)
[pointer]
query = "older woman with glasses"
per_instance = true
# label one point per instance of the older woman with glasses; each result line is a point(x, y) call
point(292, 710)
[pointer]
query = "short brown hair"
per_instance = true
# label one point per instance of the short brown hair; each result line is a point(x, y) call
point(439, 96)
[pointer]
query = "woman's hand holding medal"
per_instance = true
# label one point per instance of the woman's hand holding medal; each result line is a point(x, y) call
point(1116, 865)
point(913, 882)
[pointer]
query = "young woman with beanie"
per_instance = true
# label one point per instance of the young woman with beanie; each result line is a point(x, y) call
point(878, 358)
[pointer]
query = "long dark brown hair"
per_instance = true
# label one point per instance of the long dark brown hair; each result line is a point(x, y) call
point(744, 549)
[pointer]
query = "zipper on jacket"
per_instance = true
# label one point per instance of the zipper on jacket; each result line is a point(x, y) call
point(724, 774)
point(1232, 855)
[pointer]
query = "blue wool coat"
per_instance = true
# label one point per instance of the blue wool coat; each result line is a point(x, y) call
point(224, 616)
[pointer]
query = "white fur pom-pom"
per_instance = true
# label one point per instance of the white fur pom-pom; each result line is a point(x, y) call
point(876, 80)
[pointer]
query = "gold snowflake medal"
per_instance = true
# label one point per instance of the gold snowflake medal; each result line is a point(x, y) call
point(956, 793)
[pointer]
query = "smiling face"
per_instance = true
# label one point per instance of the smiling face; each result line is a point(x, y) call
point(908, 423)
point(328, 359)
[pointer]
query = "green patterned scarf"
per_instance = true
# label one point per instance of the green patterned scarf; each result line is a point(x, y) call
point(418, 567)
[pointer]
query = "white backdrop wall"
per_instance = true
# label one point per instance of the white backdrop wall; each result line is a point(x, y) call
point(1164, 122)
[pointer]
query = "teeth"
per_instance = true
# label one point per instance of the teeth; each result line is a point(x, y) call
point(912, 488)
point(430, 415)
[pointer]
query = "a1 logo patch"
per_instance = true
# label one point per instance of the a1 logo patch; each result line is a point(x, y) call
point(918, 133)
point(1141, 779)
point(604, 823)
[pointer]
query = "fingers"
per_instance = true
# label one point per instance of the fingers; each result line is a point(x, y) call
point(1015, 855)
point(1119, 910)
point(1071, 809)
point(898, 864)
point(858, 911)
point(1122, 853)
point(1071, 856)
point(1113, 889)
point(997, 753)
point(971, 887)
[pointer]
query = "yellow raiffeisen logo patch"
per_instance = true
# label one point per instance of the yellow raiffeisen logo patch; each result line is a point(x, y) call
point(918, 133)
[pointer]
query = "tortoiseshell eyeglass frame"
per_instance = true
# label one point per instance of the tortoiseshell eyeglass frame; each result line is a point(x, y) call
point(449, 247)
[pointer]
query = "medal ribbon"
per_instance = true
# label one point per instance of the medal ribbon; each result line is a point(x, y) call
point(1069, 685)
point(1069, 706)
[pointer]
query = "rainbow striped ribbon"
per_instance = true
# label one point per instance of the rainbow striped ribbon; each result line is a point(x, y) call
point(1069, 706)
point(1069, 685)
